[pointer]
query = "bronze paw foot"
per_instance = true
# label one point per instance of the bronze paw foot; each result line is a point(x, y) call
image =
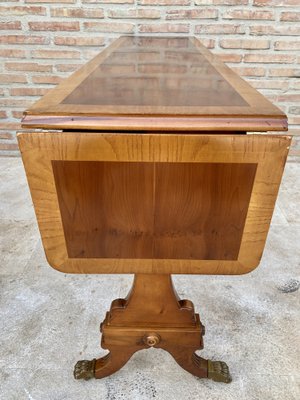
point(218, 371)
point(85, 369)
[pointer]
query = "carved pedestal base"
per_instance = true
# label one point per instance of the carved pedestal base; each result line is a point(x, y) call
point(152, 315)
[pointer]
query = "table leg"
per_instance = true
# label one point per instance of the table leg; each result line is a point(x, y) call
point(216, 370)
point(152, 315)
point(104, 366)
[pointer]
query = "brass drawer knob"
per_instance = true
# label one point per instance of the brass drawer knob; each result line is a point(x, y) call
point(152, 339)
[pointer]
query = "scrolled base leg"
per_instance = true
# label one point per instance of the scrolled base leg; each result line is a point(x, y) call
point(104, 366)
point(145, 319)
point(218, 371)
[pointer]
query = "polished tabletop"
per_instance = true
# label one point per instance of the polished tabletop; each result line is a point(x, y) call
point(156, 72)
point(138, 81)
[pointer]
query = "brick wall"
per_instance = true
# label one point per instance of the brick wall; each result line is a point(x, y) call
point(43, 41)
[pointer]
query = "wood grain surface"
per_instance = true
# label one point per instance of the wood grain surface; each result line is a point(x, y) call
point(153, 210)
point(200, 209)
point(232, 238)
point(106, 207)
point(145, 83)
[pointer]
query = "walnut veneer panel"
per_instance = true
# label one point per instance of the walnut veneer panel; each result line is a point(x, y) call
point(161, 210)
point(40, 151)
point(106, 208)
point(152, 83)
point(200, 209)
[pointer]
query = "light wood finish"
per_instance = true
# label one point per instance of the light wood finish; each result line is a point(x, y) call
point(156, 124)
point(152, 301)
point(154, 174)
point(153, 309)
point(152, 315)
point(153, 83)
point(267, 153)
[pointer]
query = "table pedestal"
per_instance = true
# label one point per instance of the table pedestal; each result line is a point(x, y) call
point(152, 315)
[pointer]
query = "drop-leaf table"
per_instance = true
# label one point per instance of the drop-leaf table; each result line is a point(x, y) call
point(150, 160)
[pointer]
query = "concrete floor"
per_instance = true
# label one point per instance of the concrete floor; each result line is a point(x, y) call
point(49, 320)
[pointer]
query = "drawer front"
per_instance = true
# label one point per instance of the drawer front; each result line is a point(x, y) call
point(149, 203)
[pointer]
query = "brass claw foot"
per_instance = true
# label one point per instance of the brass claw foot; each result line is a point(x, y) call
point(85, 369)
point(218, 371)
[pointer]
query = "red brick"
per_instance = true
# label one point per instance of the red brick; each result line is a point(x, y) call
point(291, 98)
point(22, 39)
point(221, 2)
point(55, 54)
point(164, 28)
point(51, 1)
point(10, 126)
point(294, 120)
point(108, 1)
point(223, 29)
point(3, 114)
point(12, 53)
point(294, 154)
point(290, 16)
point(244, 44)
point(230, 58)
point(17, 114)
point(285, 72)
point(274, 30)
point(108, 27)
point(22, 10)
point(247, 71)
point(47, 79)
point(21, 66)
point(192, 14)
point(67, 67)
point(25, 91)
point(269, 58)
point(11, 25)
point(164, 2)
point(270, 84)
point(282, 3)
point(77, 12)
point(12, 78)
point(12, 102)
point(79, 41)
point(5, 135)
point(54, 26)
point(9, 146)
point(134, 13)
point(285, 45)
point(249, 14)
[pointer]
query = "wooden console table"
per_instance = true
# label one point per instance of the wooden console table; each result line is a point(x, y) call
point(141, 163)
